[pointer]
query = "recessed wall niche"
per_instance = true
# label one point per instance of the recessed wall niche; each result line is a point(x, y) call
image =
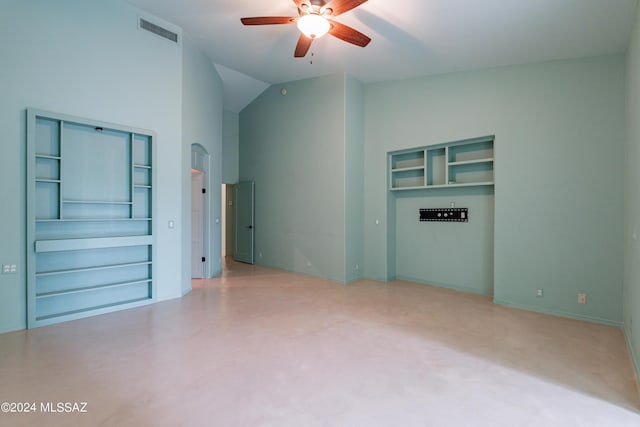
point(89, 217)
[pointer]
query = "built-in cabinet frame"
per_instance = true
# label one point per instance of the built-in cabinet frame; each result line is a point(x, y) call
point(463, 163)
point(90, 209)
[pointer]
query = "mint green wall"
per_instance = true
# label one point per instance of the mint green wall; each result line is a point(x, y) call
point(354, 179)
point(559, 130)
point(87, 58)
point(453, 255)
point(230, 147)
point(201, 124)
point(632, 200)
point(293, 147)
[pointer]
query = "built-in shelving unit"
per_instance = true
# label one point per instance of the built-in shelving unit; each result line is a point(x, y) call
point(89, 217)
point(455, 164)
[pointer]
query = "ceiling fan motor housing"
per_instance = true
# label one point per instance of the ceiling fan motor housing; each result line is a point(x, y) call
point(316, 7)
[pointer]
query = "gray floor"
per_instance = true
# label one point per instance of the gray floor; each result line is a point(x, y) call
point(261, 347)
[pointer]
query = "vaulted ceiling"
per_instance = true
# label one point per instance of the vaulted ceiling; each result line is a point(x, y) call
point(409, 37)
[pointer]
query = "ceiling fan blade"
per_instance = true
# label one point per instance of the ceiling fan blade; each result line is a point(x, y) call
point(348, 34)
point(304, 43)
point(268, 20)
point(338, 7)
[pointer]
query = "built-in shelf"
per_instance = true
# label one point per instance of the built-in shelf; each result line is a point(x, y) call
point(464, 163)
point(470, 162)
point(96, 268)
point(89, 216)
point(469, 184)
point(91, 288)
point(90, 220)
point(95, 309)
point(408, 169)
point(54, 245)
point(96, 202)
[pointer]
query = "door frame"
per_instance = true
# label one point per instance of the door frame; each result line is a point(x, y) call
point(240, 187)
point(201, 161)
point(198, 179)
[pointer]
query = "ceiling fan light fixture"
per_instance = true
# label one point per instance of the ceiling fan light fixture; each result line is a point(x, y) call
point(313, 25)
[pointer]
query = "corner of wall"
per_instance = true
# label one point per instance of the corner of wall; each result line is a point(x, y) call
point(230, 147)
point(353, 178)
point(631, 288)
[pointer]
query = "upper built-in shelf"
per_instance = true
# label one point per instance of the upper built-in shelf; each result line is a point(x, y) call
point(463, 163)
point(470, 162)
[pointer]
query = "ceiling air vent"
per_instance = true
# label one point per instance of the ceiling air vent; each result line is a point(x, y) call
point(156, 29)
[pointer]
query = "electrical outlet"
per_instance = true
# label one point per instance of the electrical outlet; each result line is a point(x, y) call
point(9, 269)
point(540, 293)
point(357, 267)
point(582, 298)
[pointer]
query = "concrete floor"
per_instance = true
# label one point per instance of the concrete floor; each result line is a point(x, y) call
point(261, 347)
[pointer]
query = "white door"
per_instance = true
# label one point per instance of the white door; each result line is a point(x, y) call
point(197, 225)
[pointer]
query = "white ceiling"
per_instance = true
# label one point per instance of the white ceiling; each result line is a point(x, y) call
point(409, 37)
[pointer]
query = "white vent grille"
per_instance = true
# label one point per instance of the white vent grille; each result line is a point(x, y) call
point(158, 30)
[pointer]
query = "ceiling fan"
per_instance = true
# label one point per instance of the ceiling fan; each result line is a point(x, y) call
point(315, 20)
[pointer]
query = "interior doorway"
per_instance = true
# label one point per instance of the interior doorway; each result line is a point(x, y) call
point(200, 212)
point(228, 220)
point(198, 257)
point(244, 227)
